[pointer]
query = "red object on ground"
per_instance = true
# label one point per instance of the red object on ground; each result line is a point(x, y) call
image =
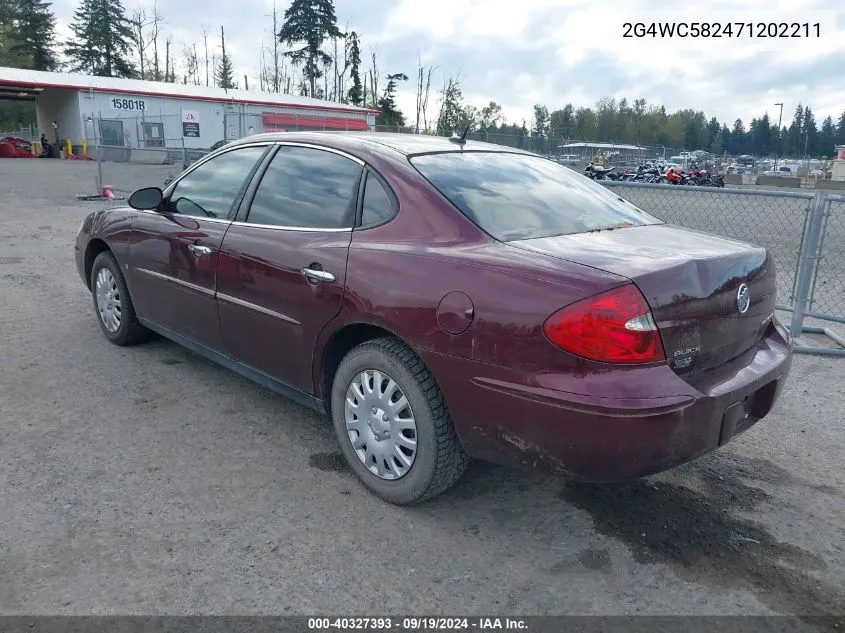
point(13, 147)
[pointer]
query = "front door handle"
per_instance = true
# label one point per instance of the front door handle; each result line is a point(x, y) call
point(318, 275)
point(198, 250)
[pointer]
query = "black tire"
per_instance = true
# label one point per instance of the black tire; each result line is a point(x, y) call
point(440, 459)
point(130, 332)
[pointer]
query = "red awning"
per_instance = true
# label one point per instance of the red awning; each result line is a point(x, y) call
point(274, 122)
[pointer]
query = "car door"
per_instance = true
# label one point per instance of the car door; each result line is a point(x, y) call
point(174, 250)
point(282, 268)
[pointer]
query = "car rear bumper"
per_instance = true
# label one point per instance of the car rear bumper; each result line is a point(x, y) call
point(612, 439)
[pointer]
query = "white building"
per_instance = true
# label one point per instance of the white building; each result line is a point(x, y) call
point(132, 114)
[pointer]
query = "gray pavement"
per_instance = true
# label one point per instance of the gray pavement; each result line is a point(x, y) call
point(149, 481)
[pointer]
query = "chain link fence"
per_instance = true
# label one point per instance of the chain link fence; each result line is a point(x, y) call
point(827, 294)
point(26, 132)
point(804, 232)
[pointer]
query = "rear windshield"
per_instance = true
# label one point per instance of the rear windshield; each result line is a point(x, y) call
point(519, 197)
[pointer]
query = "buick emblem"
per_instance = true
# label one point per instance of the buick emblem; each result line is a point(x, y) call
point(743, 298)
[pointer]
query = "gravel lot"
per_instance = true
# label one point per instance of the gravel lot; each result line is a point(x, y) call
point(149, 481)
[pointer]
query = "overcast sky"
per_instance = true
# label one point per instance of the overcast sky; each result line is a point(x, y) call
point(522, 52)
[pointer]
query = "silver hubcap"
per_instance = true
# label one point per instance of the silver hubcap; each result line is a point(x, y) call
point(381, 424)
point(108, 300)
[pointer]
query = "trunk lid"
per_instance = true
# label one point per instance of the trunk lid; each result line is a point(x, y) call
point(692, 282)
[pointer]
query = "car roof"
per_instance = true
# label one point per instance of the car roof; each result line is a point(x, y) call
point(407, 144)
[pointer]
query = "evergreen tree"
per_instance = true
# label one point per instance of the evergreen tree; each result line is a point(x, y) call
point(353, 54)
point(310, 22)
point(390, 114)
point(102, 39)
point(827, 138)
point(561, 122)
point(792, 143)
point(718, 144)
point(840, 130)
point(7, 12)
point(451, 108)
point(738, 145)
point(541, 121)
point(810, 132)
point(224, 74)
point(35, 34)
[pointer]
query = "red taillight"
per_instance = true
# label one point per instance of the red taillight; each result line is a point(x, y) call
point(612, 327)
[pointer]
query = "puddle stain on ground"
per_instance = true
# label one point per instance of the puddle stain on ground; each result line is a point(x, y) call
point(329, 462)
point(11, 260)
point(698, 534)
point(595, 559)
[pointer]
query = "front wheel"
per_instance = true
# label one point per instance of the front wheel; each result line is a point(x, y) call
point(115, 312)
point(393, 425)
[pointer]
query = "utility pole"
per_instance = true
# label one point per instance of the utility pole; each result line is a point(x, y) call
point(780, 117)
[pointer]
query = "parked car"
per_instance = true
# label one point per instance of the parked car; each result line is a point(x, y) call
point(443, 299)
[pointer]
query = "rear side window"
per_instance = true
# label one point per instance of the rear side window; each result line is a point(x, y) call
point(519, 197)
point(307, 188)
point(379, 206)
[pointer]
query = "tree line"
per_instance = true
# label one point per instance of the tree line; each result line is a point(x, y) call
point(308, 53)
point(638, 123)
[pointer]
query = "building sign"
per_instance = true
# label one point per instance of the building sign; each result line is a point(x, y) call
point(190, 123)
point(132, 105)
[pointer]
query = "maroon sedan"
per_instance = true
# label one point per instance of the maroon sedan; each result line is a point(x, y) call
point(442, 300)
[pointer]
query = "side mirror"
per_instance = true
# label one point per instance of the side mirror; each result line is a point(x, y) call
point(147, 199)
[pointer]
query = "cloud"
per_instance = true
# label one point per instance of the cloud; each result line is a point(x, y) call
point(555, 52)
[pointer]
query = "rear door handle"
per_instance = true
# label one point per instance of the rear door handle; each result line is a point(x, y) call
point(198, 250)
point(318, 275)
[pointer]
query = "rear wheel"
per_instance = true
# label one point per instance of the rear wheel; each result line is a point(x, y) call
point(115, 312)
point(393, 425)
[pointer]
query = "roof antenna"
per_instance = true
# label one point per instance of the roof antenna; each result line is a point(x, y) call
point(460, 140)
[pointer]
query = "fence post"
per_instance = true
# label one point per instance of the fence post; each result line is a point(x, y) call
point(184, 154)
point(807, 259)
point(97, 125)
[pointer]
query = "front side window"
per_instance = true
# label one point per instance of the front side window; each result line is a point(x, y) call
point(211, 189)
point(307, 188)
point(520, 197)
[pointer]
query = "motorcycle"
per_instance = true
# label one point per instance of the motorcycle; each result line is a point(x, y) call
point(594, 172)
point(648, 173)
point(673, 177)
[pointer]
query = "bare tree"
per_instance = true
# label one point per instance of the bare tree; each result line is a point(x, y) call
point(340, 70)
point(156, 20)
point(334, 74)
point(262, 69)
point(205, 43)
point(278, 63)
point(140, 22)
point(374, 74)
point(191, 65)
point(423, 92)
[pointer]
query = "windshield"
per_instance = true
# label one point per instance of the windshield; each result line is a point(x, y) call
point(517, 197)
